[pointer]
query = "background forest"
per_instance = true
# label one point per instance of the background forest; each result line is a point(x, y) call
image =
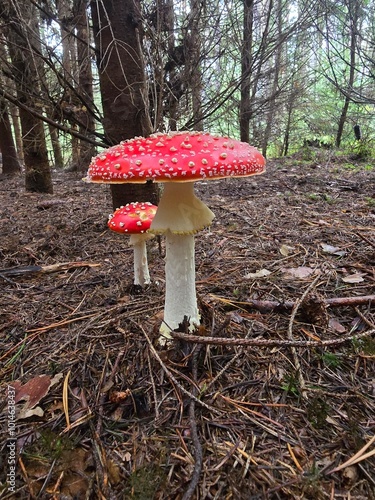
point(279, 74)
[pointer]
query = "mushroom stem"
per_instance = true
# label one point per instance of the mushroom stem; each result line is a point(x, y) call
point(180, 293)
point(141, 272)
point(179, 216)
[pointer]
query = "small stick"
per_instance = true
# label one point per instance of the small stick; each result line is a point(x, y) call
point(198, 339)
point(273, 305)
point(293, 350)
point(198, 455)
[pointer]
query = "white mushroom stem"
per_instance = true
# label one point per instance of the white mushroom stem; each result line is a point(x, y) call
point(141, 272)
point(180, 293)
point(179, 216)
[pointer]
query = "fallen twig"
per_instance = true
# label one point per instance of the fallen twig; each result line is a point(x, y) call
point(274, 306)
point(296, 306)
point(53, 268)
point(198, 455)
point(268, 342)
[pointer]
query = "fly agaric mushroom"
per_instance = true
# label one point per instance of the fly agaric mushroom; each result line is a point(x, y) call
point(135, 219)
point(177, 159)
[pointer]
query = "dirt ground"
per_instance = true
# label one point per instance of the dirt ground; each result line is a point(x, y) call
point(93, 408)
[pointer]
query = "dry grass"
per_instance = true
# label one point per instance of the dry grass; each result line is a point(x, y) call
point(124, 419)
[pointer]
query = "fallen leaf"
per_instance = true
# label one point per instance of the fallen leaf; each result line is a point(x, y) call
point(114, 472)
point(34, 389)
point(286, 250)
point(332, 250)
point(354, 278)
point(298, 272)
point(350, 474)
point(260, 273)
point(336, 326)
point(30, 412)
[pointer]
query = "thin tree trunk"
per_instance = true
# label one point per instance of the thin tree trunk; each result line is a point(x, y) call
point(68, 100)
point(86, 149)
point(10, 162)
point(353, 7)
point(56, 147)
point(15, 119)
point(272, 101)
point(246, 64)
point(193, 62)
point(37, 169)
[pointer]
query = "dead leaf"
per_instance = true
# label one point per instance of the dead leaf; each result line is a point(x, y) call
point(298, 272)
point(354, 278)
point(32, 392)
point(332, 250)
point(114, 472)
point(30, 412)
point(350, 474)
point(260, 273)
point(286, 250)
point(336, 326)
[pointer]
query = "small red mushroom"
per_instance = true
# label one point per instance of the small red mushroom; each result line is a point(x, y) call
point(178, 159)
point(135, 219)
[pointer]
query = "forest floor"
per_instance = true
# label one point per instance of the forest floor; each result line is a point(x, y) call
point(92, 407)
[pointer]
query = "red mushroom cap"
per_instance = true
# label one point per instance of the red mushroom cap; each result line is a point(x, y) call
point(178, 156)
point(133, 218)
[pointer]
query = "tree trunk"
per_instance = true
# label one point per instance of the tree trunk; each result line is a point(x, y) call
point(353, 7)
point(246, 63)
point(68, 100)
point(118, 33)
point(15, 119)
point(37, 169)
point(56, 147)
point(193, 62)
point(273, 94)
point(11, 164)
point(86, 149)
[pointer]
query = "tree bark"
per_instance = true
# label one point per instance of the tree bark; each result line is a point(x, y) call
point(25, 74)
point(353, 7)
point(10, 162)
point(277, 64)
point(193, 44)
point(86, 149)
point(246, 63)
point(118, 33)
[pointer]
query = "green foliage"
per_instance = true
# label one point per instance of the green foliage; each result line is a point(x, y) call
point(291, 385)
point(313, 196)
point(364, 346)
point(317, 412)
point(49, 446)
point(144, 482)
point(362, 150)
point(321, 196)
point(331, 360)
